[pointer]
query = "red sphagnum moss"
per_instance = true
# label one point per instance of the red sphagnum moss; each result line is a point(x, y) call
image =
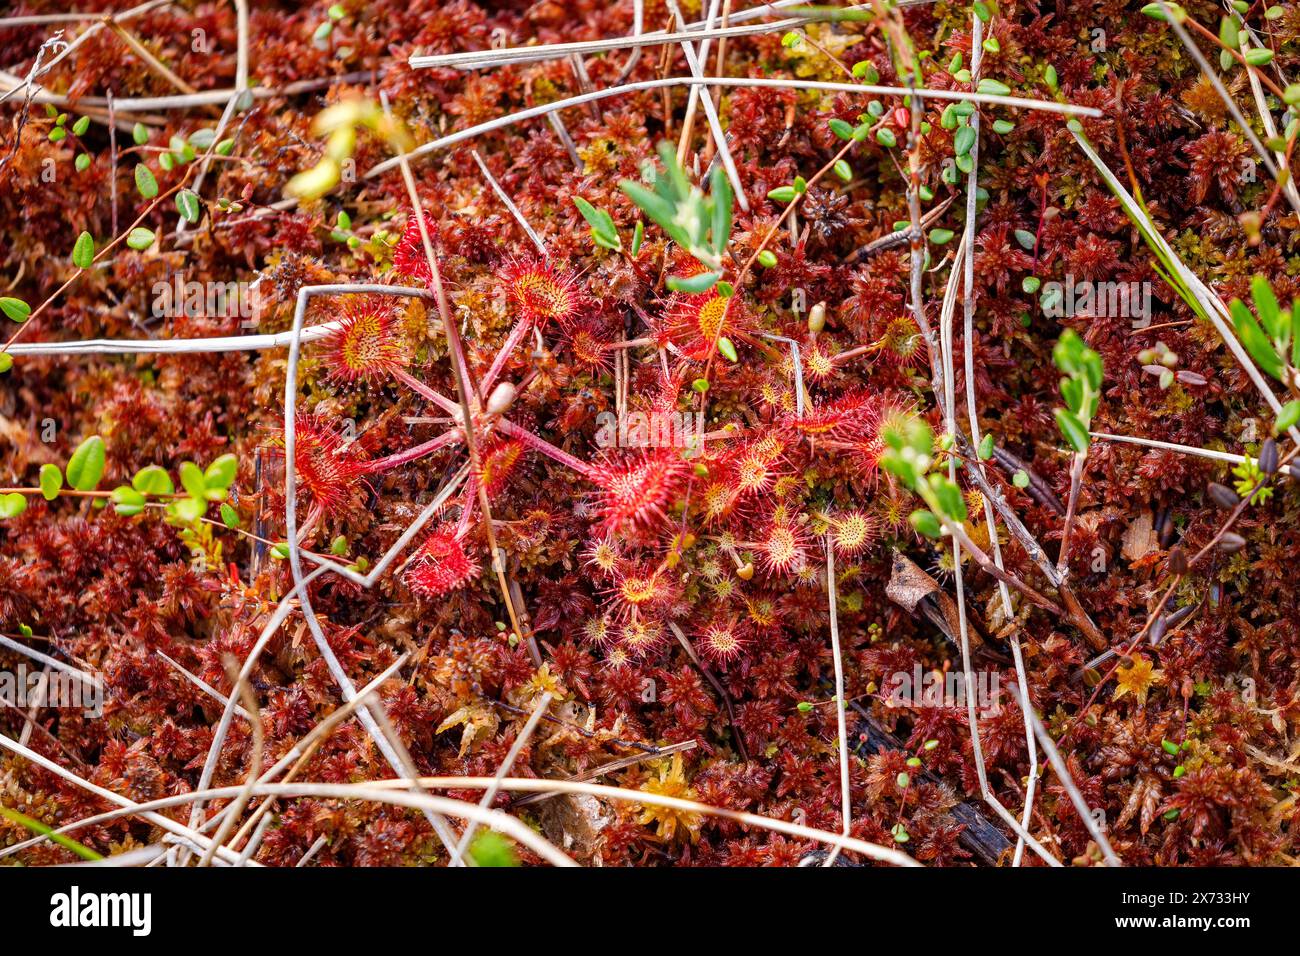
point(686, 416)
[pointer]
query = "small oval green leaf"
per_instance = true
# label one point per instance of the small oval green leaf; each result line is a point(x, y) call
point(145, 182)
point(127, 500)
point(12, 505)
point(702, 282)
point(51, 481)
point(187, 204)
point(219, 475)
point(193, 481)
point(924, 522)
point(1073, 430)
point(15, 309)
point(83, 251)
point(140, 238)
point(152, 480)
point(86, 466)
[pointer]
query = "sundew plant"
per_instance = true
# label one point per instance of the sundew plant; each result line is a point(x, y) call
point(678, 434)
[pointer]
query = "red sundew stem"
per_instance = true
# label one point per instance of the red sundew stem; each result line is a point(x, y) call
point(853, 353)
point(416, 385)
point(546, 448)
point(630, 343)
point(412, 454)
point(507, 349)
point(467, 509)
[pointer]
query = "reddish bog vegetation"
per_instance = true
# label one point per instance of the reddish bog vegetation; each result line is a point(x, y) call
point(751, 471)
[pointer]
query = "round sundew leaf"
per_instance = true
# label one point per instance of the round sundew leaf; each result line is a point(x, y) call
point(51, 481)
point(86, 466)
point(152, 480)
point(145, 181)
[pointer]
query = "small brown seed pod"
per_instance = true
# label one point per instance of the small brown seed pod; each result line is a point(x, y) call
point(1222, 495)
point(1268, 457)
point(1231, 543)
